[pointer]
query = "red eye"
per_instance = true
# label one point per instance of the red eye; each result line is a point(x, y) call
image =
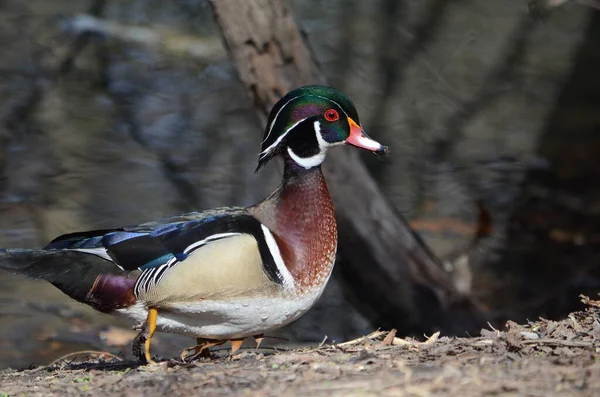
point(332, 115)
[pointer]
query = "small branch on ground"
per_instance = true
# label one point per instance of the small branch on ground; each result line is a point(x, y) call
point(88, 353)
point(558, 342)
point(589, 302)
point(371, 336)
point(430, 340)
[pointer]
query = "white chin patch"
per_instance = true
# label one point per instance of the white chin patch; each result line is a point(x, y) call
point(317, 159)
point(307, 162)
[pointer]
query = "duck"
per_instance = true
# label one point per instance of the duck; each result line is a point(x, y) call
point(222, 274)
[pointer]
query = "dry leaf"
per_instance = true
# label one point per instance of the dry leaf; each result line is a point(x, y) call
point(589, 302)
point(389, 338)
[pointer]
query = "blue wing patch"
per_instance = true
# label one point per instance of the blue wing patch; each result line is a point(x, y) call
point(113, 238)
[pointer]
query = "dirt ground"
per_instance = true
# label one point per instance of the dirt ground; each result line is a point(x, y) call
point(541, 358)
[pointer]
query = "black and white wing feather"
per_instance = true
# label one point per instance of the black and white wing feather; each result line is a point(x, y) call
point(155, 247)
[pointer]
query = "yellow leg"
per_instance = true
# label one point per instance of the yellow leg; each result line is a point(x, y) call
point(258, 339)
point(151, 328)
point(141, 343)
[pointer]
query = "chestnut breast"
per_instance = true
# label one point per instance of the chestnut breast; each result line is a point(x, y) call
point(304, 227)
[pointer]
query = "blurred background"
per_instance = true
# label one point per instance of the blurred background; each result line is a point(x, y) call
point(116, 112)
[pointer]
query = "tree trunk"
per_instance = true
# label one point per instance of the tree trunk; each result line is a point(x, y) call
point(384, 261)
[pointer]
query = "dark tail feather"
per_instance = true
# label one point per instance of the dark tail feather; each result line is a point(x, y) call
point(84, 277)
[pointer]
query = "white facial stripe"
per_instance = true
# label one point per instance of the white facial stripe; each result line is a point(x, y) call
point(307, 162)
point(288, 279)
point(278, 140)
point(275, 118)
point(323, 144)
point(331, 100)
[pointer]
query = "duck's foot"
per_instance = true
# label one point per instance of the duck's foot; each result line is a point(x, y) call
point(201, 349)
point(141, 343)
point(235, 345)
point(258, 339)
point(203, 345)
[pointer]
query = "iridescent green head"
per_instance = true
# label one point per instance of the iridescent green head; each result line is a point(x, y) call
point(309, 120)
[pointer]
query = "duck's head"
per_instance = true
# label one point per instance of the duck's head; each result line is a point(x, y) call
point(309, 120)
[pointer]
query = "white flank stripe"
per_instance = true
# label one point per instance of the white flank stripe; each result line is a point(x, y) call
point(148, 277)
point(208, 239)
point(170, 262)
point(275, 118)
point(288, 279)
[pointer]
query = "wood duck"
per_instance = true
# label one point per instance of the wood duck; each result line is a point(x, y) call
point(223, 274)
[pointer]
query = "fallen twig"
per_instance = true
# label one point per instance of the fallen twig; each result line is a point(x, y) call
point(371, 336)
point(431, 340)
point(322, 342)
point(558, 342)
point(589, 302)
point(75, 354)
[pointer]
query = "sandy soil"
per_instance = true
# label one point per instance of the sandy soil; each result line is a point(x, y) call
point(542, 358)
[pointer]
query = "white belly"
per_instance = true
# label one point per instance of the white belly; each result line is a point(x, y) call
point(227, 319)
